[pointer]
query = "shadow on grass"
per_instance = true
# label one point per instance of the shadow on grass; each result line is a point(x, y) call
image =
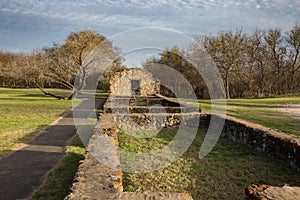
point(231, 167)
point(59, 181)
point(223, 174)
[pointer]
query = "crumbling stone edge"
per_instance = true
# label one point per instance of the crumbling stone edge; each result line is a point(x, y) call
point(270, 141)
point(95, 180)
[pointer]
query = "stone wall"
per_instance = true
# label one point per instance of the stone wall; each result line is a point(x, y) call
point(120, 84)
point(272, 142)
point(100, 176)
point(154, 112)
point(95, 180)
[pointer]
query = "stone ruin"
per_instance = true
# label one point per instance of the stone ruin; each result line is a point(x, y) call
point(134, 82)
point(135, 104)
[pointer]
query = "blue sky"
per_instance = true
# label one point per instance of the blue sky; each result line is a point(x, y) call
point(32, 24)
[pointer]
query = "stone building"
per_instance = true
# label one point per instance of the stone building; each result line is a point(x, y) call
point(134, 81)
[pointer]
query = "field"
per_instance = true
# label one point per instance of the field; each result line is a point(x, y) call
point(24, 113)
point(265, 111)
point(230, 167)
point(223, 174)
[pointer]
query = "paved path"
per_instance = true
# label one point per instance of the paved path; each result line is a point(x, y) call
point(23, 171)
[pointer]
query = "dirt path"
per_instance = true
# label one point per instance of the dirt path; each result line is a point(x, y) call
point(291, 109)
point(23, 171)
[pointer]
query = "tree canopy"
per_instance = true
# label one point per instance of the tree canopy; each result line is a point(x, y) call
point(258, 64)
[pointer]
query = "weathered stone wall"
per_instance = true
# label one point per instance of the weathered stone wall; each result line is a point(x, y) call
point(95, 180)
point(120, 84)
point(272, 142)
point(155, 113)
point(99, 175)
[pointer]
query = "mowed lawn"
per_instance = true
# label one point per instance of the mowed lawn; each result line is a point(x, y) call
point(24, 113)
point(230, 167)
point(224, 174)
point(265, 111)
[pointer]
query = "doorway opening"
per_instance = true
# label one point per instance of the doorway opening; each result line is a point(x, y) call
point(135, 87)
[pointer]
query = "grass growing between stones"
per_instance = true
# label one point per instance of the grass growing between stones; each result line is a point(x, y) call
point(24, 113)
point(223, 174)
point(263, 111)
point(59, 181)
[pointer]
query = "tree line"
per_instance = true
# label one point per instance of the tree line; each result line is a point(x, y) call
point(59, 65)
point(257, 64)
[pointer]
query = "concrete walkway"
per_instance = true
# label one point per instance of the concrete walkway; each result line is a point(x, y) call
point(23, 171)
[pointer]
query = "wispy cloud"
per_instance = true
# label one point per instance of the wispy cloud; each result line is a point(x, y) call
point(79, 9)
point(111, 16)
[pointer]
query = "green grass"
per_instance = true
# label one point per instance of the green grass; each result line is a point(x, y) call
point(59, 181)
point(223, 174)
point(263, 111)
point(24, 112)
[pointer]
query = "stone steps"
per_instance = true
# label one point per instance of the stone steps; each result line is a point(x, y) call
point(150, 110)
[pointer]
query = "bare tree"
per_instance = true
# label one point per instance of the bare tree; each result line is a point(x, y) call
point(276, 56)
point(256, 59)
point(71, 60)
point(293, 54)
point(227, 50)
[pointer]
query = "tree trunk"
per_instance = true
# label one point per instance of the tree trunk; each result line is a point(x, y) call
point(50, 94)
point(74, 93)
point(227, 85)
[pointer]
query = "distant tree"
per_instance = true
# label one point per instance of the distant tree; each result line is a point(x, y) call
point(177, 73)
point(8, 61)
point(276, 51)
point(228, 51)
point(293, 55)
point(257, 61)
point(72, 59)
point(262, 63)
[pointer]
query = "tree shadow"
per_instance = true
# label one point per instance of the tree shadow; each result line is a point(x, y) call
point(231, 167)
point(224, 174)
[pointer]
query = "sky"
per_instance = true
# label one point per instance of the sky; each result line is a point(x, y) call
point(26, 25)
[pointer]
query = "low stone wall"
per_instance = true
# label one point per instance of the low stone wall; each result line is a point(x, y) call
point(272, 142)
point(95, 180)
point(148, 121)
point(100, 176)
point(148, 113)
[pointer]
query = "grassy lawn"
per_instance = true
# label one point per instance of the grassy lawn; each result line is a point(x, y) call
point(24, 112)
point(59, 180)
point(263, 111)
point(223, 174)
